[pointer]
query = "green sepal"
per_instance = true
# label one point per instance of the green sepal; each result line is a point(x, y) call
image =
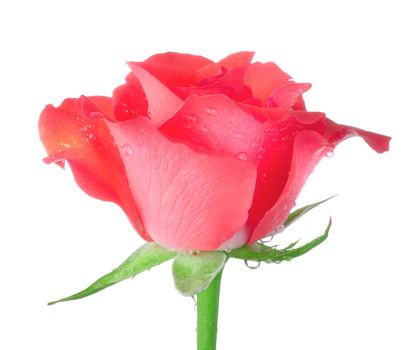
point(144, 258)
point(193, 273)
point(261, 253)
point(298, 213)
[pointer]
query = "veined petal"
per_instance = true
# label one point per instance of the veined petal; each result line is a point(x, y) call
point(187, 200)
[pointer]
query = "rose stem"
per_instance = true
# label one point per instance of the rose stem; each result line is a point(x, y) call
point(207, 315)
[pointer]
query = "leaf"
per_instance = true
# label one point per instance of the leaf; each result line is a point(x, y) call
point(193, 273)
point(298, 213)
point(262, 253)
point(144, 258)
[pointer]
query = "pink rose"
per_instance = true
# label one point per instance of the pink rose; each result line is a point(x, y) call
point(199, 155)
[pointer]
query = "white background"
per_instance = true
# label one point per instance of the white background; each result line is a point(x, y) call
point(350, 293)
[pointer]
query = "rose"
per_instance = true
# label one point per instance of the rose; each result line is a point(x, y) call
point(200, 155)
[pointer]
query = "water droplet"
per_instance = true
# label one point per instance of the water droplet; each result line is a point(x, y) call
point(279, 229)
point(211, 110)
point(242, 156)
point(191, 117)
point(329, 153)
point(195, 302)
point(127, 149)
point(254, 265)
point(239, 136)
point(267, 239)
point(204, 128)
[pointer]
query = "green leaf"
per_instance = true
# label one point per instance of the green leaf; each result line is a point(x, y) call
point(262, 253)
point(193, 273)
point(144, 258)
point(298, 213)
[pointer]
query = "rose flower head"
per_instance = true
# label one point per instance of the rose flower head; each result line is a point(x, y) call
point(200, 155)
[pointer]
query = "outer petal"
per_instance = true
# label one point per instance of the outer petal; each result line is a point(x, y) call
point(262, 136)
point(175, 69)
point(264, 78)
point(309, 148)
point(187, 200)
point(337, 133)
point(162, 102)
point(87, 145)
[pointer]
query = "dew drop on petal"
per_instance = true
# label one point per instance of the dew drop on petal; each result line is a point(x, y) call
point(204, 128)
point(126, 148)
point(252, 265)
point(191, 117)
point(211, 110)
point(242, 156)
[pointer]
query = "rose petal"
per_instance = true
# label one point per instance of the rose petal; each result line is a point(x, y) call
point(129, 101)
point(175, 69)
point(309, 148)
point(218, 124)
point(162, 102)
point(230, 84)
point(287, 95)
point(234, 60)
point(87, 145)
point(187, 200)
point(274, 161)
point(264, 78)
point(337, 133)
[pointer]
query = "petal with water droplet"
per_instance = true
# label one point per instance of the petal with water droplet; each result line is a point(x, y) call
point(184, 196)
point(94, 159)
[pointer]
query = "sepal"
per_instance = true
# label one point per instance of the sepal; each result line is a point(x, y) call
point(144, 258)
point(193, 273)
point(298, 213)
point(262, 253)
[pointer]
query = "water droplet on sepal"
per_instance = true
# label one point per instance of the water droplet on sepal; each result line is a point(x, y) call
point(252, 267)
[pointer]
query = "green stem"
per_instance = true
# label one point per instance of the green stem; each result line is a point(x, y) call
point(207, 315)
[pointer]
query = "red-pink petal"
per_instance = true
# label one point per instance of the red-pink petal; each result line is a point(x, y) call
point(287, 95)
point(230, 84)
point(162, 102)
point(175, 69)
point(129, 101)
point(87, 145)
point(336, 133)
point(309, 148)
point(264, 78)
point(234, 60)
point(187, 200)
point(216, 123)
